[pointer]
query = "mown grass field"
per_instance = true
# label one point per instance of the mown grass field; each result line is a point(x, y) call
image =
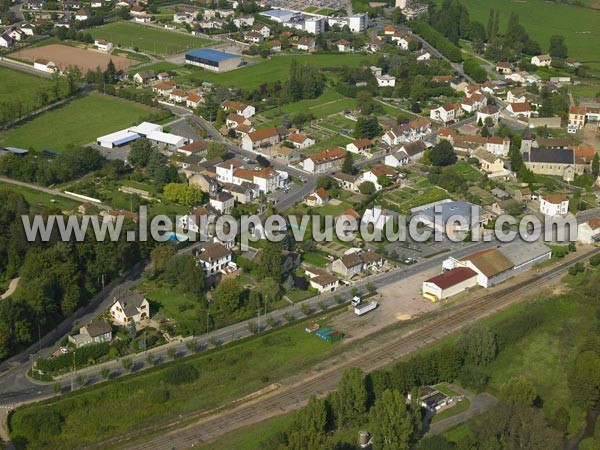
point(276, 68)
point(22, 87)
point(543, 19)
point(78, 122)
point(148, 39)
point(40, 200)
point(224, 375)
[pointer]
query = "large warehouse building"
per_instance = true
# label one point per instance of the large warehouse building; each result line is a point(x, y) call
point(213, 60)
point(485, 268)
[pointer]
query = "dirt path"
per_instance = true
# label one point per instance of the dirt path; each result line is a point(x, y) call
point(12, 287)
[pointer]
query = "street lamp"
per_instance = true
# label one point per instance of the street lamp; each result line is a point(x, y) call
point(207, 316)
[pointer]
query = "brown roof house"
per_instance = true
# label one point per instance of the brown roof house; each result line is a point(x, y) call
point(133, 308)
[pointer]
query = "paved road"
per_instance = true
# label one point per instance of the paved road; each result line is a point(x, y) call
point(23, 68)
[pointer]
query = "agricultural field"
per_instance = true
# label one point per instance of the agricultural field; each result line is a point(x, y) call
point(543, 19)
point(276, 68)
point(148, 39)
point(66, 55)
point(78, 122)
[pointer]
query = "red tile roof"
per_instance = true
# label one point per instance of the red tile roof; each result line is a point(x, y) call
point(452, 277)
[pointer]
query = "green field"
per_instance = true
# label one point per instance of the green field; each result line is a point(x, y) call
point(275, 69)
point(148, 39)
point(78, 122)
point(228, 374)
point(41, 201)
point(22, 87)
point(543, 19)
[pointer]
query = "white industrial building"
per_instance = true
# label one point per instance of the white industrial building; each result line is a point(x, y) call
point(153, 132)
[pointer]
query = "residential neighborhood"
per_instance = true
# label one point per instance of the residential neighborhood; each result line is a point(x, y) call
point(348, 224)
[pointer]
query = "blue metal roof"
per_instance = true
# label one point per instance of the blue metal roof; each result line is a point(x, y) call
point(211, 55)
point(125, 139)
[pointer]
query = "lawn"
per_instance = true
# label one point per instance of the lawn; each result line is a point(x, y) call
point(229, 373)
point(543, 19)
point(315, 259)
point(402, 200)
point(148, 39)
point(40, 200)
point(78, 122)
point(467, 171)
point(23, 88)
point(276, 68)
point(186, 310)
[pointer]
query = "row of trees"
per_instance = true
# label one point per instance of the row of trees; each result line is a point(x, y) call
point(41, 169)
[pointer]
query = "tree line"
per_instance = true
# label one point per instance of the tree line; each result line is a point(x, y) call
point(59, 276)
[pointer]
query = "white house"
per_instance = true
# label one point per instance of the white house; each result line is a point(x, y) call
point(490, 111)
point(44, 65)
point(516, 95)
point(385, 80)
point(449, 283)
point(402, 40)
point(411, 151)
point(131, 308)
point(222, 202)
point(498, 145)
point(519, 109)
point(322, 281)
point(240, 108)
point(554, 204)
point(343, 46)
point(262, 29)
point(408, 132)
point(6, 41)
point(214, 258)
point(542, 60)
point(326, 161)
point(103, 46)
point(92, 333)
point(360, 146)
point(300, 140)
point(589, 232)
point(318, 198)
point(81, 15)
point(183, 17)
point(423, 55)
point(306, 44)
point(473, 103)
point(373, 175)
point(446, 113)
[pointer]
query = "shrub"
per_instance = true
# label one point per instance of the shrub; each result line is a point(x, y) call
point(159, 396)
point(180, 374)
point(473, 378)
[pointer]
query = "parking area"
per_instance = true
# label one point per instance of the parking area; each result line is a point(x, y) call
point(398, 302)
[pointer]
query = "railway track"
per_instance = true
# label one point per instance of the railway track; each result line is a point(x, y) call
point(183, 434)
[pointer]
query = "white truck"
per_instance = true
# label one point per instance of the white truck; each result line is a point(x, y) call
point(361, 307)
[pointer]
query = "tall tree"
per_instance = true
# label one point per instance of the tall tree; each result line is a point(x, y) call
point(477, 344)
point(596, 165)
point(518, 391)
point(442, 154)
point(350, 399)
point(348, 164)
point(140, 152)
point(558, 48)
point(307, 431)
point(391, 422)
